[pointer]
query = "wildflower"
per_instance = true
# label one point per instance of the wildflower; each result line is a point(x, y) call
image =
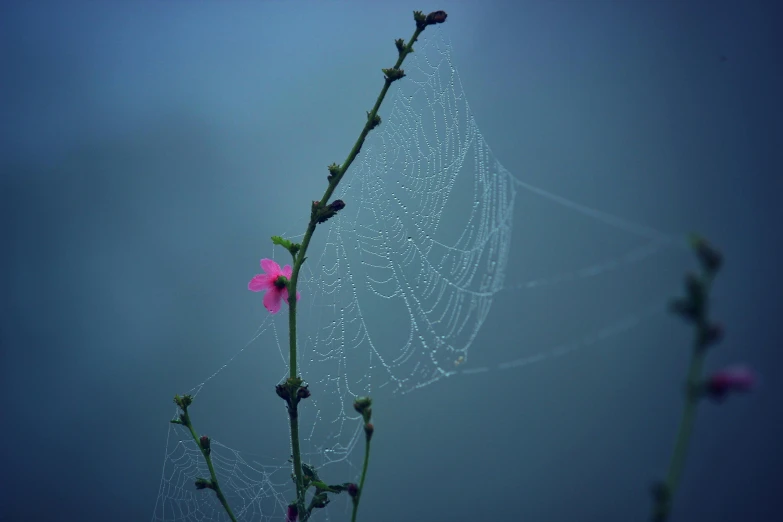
point(275, 282)
point(731, 379)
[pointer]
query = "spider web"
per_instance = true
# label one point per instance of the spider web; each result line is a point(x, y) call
point(395, 289)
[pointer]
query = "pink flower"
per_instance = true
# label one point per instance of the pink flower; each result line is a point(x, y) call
point(731, 379)
point(273, 281)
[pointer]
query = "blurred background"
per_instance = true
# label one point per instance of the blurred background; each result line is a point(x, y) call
point(145, 148)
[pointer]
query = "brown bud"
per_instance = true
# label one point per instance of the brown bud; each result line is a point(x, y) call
point(302, 393)
point(282, 392)
point(436, 17)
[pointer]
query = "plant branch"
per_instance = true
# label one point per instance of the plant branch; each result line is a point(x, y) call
point(319, 213)
point(204, 444)
point(694, 308)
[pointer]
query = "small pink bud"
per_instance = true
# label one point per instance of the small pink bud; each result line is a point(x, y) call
point(292, 515)
point(731, 379)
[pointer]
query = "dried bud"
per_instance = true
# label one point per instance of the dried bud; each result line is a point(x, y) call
point(353, 490)
point(282, 392)
point(204, 441)
point(436, 17)
point(369, 429)
point(324, 214)
point(302, 393)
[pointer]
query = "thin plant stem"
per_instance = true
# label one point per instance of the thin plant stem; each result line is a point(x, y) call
point(214, 484)
point(361, 481)
point(299, 259)
point(662, 505)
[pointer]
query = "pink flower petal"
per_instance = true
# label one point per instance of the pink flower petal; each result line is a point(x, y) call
point(731, 379)
point(260, 282)
point(287, 270)
point(270, 267)
point(272, 300)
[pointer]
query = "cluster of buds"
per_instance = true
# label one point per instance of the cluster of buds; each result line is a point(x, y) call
point(693, 308)
point(292, 391)
point(363, 405)
point(182, 402)
point(322, 213)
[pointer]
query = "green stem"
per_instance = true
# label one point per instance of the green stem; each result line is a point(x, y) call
point(299, 259)
point(361, 481)
point(293, 416)
point(662, 506)
point(212, 474)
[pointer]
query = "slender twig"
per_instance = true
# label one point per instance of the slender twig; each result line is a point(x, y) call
point(316, 216)
point(694, 307)
point(204, 445)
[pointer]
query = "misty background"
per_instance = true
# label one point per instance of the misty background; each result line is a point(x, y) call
point(149, 150)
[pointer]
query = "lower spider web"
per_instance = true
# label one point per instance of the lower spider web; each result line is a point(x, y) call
point(396, 288)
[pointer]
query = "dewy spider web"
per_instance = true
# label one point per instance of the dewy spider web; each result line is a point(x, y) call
point(395, 289)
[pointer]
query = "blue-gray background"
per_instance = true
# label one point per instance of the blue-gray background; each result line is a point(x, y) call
point(146, 147)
